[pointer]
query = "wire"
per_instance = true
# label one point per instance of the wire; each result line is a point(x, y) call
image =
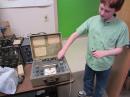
point(70, 85)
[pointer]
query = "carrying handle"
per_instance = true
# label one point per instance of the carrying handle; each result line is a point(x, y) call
point(51, 81)
point(40, 33)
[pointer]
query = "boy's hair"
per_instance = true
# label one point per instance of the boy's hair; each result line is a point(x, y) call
point(116, 4)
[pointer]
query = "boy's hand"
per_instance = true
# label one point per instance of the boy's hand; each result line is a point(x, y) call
point(61, 54)
point(99, 54)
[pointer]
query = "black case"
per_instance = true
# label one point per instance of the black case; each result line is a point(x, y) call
point(26, 51)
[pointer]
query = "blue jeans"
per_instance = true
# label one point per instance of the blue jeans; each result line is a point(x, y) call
point(101, 81)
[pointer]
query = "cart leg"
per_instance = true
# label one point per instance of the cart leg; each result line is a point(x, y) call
point(48, 92)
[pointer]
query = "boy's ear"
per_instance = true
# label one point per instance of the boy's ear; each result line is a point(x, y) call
point(114, 14)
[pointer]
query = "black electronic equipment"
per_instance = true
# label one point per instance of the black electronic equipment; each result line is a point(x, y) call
point(8, 53)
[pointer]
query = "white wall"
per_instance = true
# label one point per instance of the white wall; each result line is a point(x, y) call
point(26, 20)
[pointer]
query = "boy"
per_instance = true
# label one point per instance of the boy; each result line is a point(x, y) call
point(107, 35)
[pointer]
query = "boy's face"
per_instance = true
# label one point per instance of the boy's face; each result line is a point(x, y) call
point(106, 12)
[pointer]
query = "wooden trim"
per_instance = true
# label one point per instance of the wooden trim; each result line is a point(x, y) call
point(118, 73)
point(56, 16)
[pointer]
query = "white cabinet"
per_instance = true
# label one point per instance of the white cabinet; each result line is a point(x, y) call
point(33, 20)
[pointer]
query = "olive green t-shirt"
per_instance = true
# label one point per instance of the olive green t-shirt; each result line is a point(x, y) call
point(103, 36)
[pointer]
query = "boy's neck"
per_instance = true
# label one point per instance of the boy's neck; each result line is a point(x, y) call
point(110, 20)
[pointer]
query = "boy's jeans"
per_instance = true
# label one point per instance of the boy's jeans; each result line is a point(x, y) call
point(101, 82)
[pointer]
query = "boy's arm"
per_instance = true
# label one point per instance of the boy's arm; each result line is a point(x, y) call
point(104, 53)
point(114, 51)
point(62, 52)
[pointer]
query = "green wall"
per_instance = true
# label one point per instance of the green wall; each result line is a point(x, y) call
point(71, 13)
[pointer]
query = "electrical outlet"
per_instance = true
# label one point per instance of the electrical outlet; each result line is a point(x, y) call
point(45, 18)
